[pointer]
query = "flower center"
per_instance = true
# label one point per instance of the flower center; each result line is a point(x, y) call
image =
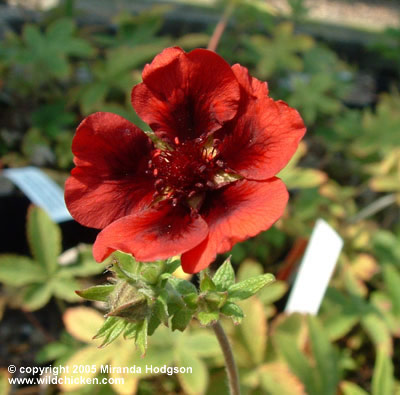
point(184, 174)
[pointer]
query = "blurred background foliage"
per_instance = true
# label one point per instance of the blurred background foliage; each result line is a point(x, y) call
point(60, 67)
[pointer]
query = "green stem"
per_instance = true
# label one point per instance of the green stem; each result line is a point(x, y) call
point(230, 363)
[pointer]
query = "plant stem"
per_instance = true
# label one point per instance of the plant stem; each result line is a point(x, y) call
point(219, 29)
point(374, 207)
point(230, 363)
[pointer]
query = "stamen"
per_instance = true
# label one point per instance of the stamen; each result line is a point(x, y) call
point(155, 172)
point(176, 140)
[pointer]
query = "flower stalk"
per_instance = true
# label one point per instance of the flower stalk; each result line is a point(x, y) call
point(231, 368)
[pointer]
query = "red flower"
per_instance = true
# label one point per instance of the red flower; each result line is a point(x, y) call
point(207, 183)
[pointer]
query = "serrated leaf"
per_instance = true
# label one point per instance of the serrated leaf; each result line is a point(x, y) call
point(207, 317)
point(44, 237)
point(234, 311)
point(16, 270)
point(181, 319)
point(224, 277)
point(83, 323)
point(382, 379)
point(249, 287)
point(36, 296)
point(98, 292)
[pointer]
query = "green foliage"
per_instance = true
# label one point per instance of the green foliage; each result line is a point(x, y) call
point(42, 277)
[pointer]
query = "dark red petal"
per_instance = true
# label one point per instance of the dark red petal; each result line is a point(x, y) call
point(265, 134)
point(151, 235)
point(186, 95)
point(111, 155)
point(236, 213)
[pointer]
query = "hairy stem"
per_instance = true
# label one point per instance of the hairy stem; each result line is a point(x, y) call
point(230, 363)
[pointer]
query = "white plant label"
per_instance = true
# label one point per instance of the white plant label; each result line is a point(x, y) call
point(315, 270)
point(41, 190)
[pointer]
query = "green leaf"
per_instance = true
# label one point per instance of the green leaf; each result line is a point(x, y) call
point(273, 292)
point(298, 363)
point(202, 344)
point(378, 331)
point(98, 292)
point(184, 287)
point(382, 379)
point(141, 337)
point(391, 277)
point(83, 322)
point(224, 277)
point(194, 383)
point(65, 288)
point(207, 317)
point(349, 388)
point(181, 319)
point(277, 379)
point(172, 264)
point(234, 311)
point(16, 270)
point(254, 329)
point(51, 352)
point(44, 237)
point(249, 287)
point(125, 265)
point(206, 283)
point(161, 307)
point(110, 324)
point(325, 357)
point(36, 296)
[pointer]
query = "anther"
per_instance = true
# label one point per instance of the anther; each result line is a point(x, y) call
point(202, 168)
point(159, 184)
point(155, 172)
point(150, 164)
point(156, 153)
point(216, 142)
point(174, 202)
point(176, 140)
point(199, 185)
point(210, 184)
point(220, 163)
point(191, 194)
